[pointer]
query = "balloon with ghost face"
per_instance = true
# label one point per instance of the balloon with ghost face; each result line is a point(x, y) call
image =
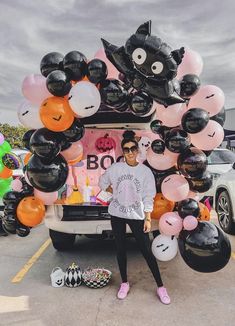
point(165, 247)
point(29, 116)
point(84, 99)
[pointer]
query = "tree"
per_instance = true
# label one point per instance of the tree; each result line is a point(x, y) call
point(13, 134)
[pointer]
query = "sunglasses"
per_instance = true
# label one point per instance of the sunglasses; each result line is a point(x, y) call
point(132, 149)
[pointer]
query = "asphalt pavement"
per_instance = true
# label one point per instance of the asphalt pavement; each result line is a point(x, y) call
point(28, 299)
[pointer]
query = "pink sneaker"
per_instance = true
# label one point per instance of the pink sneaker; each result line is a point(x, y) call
point(163, 295)
point(123, 291)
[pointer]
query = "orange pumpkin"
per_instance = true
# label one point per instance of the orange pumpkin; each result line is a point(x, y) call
point(30, 211)
point(204, 212)
point(56, 114)
point(161, 206)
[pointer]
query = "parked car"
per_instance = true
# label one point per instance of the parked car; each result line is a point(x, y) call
point(224, 200)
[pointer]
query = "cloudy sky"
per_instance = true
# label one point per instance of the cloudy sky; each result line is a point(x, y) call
point(31, 28)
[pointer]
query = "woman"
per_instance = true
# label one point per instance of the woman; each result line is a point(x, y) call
point(133, 188)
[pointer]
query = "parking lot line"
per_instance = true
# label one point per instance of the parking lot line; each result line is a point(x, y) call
point(20, 275)
point(233, 254)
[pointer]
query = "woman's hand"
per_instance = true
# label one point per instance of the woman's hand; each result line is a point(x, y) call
point(147, 226)
point(109, 189)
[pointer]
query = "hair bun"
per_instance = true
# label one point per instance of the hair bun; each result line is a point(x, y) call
point(128, 134)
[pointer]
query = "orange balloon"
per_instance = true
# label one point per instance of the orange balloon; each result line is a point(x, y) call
point(26, 158)
point(6, 173)
point(56, 114)
point(204, 212)
point(161, 206)
point(30, 211)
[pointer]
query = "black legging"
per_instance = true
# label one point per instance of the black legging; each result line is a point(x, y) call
point(136, 226)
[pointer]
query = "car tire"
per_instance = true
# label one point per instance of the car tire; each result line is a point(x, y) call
point(225, 213)
point(62, 241)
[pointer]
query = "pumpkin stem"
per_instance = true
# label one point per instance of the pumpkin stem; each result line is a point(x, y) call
point(106, 135)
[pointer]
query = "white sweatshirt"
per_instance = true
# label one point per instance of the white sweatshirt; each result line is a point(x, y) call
point(133, 190)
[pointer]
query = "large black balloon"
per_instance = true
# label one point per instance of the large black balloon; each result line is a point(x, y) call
point(11, 197)
point(192, 162)
point(47, 177)
point(205, 249)
point(187, 207)
point(177, 140)
point(8, 227)
point(194, 120)
point(46, 143)
point(26, 138)
point(189, 85)
point(220, 117)
point(58, 83)
point(97, 71)
point(158, 146)
point(114, 95)
point(75, 132)
point(201, 185)
point(75, 64)
point(50, 62)
point(141, 103)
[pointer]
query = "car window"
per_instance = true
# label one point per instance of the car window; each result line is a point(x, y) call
point(221, 157)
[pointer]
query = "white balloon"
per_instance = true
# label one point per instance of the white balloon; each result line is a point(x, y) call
point(84, 99)
point(28, 114)
point(164, 247)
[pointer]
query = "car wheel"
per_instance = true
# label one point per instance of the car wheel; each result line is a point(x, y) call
point(62, 241)
point(225, 213)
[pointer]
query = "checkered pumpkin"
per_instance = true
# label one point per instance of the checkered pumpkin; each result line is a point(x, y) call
point(73, 276)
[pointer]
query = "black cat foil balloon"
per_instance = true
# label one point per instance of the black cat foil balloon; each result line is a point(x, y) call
point(148, 65)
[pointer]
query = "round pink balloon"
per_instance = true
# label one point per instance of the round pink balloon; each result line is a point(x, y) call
point(210, 137)
point(112, 71)
point(193, 195)
point(190, 223)
point(209, 98)
point(161, 161)
point(175, 187)
point(191, 64)
point(34, 88)
point(2, 139)
point(73, 152)
point(16, 185)
point(48, 198)
point(170, 223)
point(170, 116)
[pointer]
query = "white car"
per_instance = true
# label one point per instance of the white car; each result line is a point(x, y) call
point(224, 200)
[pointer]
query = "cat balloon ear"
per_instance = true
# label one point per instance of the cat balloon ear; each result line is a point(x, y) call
point(144, 29)
point(178, 55)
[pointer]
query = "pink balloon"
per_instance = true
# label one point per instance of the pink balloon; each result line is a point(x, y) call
point(193, 195)
point(190, 223)
point(170, 116)
point(170, 223)
point(210, 137)
point(16, 185)
point(112, 71)
point(34, 88)
point(2, 139)
point(191, 64)
point(73, 152)
point(175, 187)
point(210, 98)
point(161, 161)
point(48, 198)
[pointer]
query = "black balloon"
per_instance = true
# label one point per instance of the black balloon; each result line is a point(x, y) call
point(22, 230)
point(75, 64)
point(47, 177)
point(189, 85)
point(46, 143)
point(114, 95)
point(141, 104)
point(194, 120)
point(50, 62)
point(10, 208)
point(187, 207)
point(220, 117)
point(201, 185)
point(26, 138)
point(8, 227)
point(156, 126)
point(58, 83)
point(205, 249)
point(158, 146)
point(75, 132)
point(192, 162)
point(97, 71)
point(177, 140)
point(11, 197)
